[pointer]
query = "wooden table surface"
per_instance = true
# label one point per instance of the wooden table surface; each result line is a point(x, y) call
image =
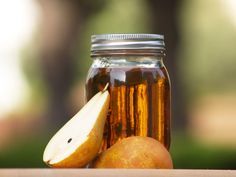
point(114, 173)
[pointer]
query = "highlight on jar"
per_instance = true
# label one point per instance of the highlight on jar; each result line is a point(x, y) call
point(126, 120)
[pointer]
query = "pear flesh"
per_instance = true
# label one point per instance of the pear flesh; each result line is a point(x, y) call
point(79, 140)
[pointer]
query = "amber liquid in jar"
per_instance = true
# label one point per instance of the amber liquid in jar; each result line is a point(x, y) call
point(139, 104)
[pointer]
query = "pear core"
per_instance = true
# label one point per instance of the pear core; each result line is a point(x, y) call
point(79, 140)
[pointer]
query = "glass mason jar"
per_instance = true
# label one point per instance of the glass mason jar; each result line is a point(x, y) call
point(139, 85)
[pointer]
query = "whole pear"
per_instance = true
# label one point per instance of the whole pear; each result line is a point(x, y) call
point(135, 152)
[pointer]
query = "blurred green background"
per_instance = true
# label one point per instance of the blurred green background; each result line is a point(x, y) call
point(44, 59)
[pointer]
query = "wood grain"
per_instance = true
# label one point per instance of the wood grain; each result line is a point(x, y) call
point(114, 173)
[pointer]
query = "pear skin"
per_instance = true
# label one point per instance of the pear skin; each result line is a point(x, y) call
point(135, 152)
point(79, 140)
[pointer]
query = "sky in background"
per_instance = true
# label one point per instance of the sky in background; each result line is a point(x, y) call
point(230, 9)
point(18, 19)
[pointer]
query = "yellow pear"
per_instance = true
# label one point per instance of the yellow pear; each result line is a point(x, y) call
point(79, 140)
point(135, 152)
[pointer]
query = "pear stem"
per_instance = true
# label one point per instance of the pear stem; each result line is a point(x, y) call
point(105, 88)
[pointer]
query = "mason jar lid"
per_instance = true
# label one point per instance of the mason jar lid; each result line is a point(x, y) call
point(127, 42)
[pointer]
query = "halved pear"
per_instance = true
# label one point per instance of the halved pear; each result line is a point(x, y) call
point(79, 140)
